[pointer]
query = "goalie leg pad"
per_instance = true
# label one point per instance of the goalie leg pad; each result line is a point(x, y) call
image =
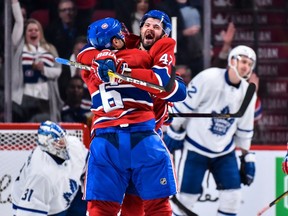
point(229, 201)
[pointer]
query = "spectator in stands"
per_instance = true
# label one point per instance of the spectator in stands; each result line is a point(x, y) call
point(80, 42)
point(65, 29)
point(123, 11)
point(50, 180)
point(68, 72)
point(132, 19)
point(76, 109)
point(185, 73)
point(189, 36)
point(227, 36)
point(34, 72)
point(33, 5)
point(85, 11)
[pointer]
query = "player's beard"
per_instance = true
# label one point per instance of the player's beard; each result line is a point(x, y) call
point(150, 36)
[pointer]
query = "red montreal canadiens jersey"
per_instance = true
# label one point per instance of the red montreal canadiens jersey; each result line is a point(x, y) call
point(162, 53)
point(121, 102)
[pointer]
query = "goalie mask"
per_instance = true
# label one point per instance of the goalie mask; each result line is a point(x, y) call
point(51, 138)
point(101, 32)
point(236, 54)
point(163, 17)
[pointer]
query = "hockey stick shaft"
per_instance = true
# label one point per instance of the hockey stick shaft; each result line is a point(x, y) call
point(182, 207)
point(111, 74)
point(272, 203)
point(247, 98)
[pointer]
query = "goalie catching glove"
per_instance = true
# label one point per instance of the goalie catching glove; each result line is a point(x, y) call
point(247, 168)
point(174, 140)
point(105, 62)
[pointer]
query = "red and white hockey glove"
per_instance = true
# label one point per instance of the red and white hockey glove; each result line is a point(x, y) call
point(122, 66)
point(285, 164)
point(103, 63)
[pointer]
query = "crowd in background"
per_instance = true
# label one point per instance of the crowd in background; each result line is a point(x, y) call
point(42, 89)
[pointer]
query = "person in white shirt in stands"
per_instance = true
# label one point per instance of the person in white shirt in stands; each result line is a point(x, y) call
point(51, 177)
point(35, 93)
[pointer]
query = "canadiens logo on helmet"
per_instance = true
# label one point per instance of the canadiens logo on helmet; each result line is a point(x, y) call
point(104, 26)
point(101, 32)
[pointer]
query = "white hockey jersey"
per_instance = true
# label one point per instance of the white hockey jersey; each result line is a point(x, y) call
point(211, 91)
point(45, 187)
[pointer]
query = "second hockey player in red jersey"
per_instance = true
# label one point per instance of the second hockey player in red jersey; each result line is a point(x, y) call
point(125, 147)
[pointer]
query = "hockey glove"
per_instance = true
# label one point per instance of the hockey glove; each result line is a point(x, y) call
point(174, 140)
point(122, 66)
point(247, 168)
point(104, 62)
point(285, 164)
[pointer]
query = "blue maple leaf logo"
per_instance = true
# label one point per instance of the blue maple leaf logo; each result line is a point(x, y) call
point(220, 126)
point(73, 189)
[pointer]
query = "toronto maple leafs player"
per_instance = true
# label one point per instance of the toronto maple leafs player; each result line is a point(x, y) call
point(50, 178)
point(209, 143)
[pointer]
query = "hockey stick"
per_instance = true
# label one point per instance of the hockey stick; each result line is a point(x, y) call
point(182, 207)
point(272, 203)
point(247, 98)
point(116, 75)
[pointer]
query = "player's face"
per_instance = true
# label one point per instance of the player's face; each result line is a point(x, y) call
point(244, 66)
point(151, 31)
point(118, 43)
point(60, 143)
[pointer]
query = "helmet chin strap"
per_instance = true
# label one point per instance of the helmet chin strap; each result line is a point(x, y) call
point(234, 67)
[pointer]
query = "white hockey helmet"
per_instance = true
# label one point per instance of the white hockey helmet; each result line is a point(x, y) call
point(239, 51)
point(51, 138)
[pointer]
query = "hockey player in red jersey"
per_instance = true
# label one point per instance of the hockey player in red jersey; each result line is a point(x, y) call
point(122, 106)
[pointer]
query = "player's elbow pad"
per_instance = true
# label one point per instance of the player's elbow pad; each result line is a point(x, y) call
point(180, 92)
